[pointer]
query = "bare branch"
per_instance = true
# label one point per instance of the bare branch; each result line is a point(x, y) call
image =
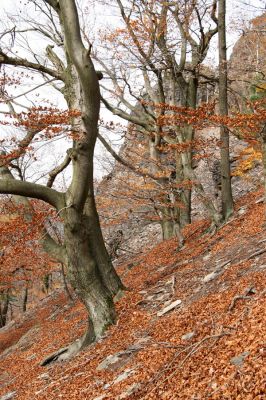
point(127, 164)
point(22, 62)
point(28, 189)
point(53, 174)
point(122, 114)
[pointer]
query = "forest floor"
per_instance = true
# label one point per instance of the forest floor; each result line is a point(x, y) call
point(207, 345)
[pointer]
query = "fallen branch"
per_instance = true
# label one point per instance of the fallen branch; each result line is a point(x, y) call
point(257, 253)
point(245, 296)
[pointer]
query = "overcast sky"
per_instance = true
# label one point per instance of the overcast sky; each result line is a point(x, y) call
point(239, 12)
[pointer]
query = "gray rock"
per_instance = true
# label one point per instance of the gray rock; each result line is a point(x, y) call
point(170, 307)
point(210, 277)
point(124, 375)
point(239, 360)
point(115, 361)
point(132, 389)
point(207, 257)
point(106, 386)
point(188, 336)
point(8, 396)
point(44, 376)
point(242, 211)
point(112, 359)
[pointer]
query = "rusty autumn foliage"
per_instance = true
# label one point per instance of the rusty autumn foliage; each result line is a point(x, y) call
point(166, 365)
point(22, 258)
point(143, 193)
point(22, 226)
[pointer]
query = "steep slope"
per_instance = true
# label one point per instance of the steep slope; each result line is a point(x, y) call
point(209, 345)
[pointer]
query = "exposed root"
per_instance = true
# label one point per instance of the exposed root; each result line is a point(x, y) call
point(66, 353)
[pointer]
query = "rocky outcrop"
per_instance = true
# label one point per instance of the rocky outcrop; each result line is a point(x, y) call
point(247, 67)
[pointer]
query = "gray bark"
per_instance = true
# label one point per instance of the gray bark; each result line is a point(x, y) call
point(88, 266)
point(4, 304)
point(227, 198)
point(264, 165)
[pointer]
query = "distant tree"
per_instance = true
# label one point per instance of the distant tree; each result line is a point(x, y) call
point(164, 45)
point(226, 188)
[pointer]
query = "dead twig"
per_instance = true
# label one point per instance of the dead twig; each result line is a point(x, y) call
point(245, 296)
point(192, 349)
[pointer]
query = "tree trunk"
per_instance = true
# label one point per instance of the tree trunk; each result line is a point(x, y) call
point(88, 267)
point(4, 304)
point(25, 299)
point(107, 271)
point(264, 167)
point(227, 198)
point(167, 225)
point(84, 275)
point(187, 135)
point(208, 204)
point(69, 295)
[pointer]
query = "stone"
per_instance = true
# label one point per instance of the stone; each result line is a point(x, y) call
point(8, 396)
point(44, 376)
point(242, 211)
point(170, 307)
point(210, 277)
point(124, 375)
point(239, 360)
point(130, 390)
point(114, 361)
point(207, 257)
point(188, 336)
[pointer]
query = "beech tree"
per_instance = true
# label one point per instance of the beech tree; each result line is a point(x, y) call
point(165, 45)
point(88, 265)
point(226, 189)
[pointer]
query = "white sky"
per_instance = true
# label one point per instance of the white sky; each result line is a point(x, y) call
point(238, 13)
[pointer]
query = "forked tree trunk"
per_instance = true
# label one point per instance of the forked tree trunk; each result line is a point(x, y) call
point(89, 268)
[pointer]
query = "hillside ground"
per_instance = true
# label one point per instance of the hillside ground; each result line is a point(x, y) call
point(209, 345)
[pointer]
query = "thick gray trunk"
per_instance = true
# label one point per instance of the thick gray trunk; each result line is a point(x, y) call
point(187, 135)
point(107, 271)
point(84, 275)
